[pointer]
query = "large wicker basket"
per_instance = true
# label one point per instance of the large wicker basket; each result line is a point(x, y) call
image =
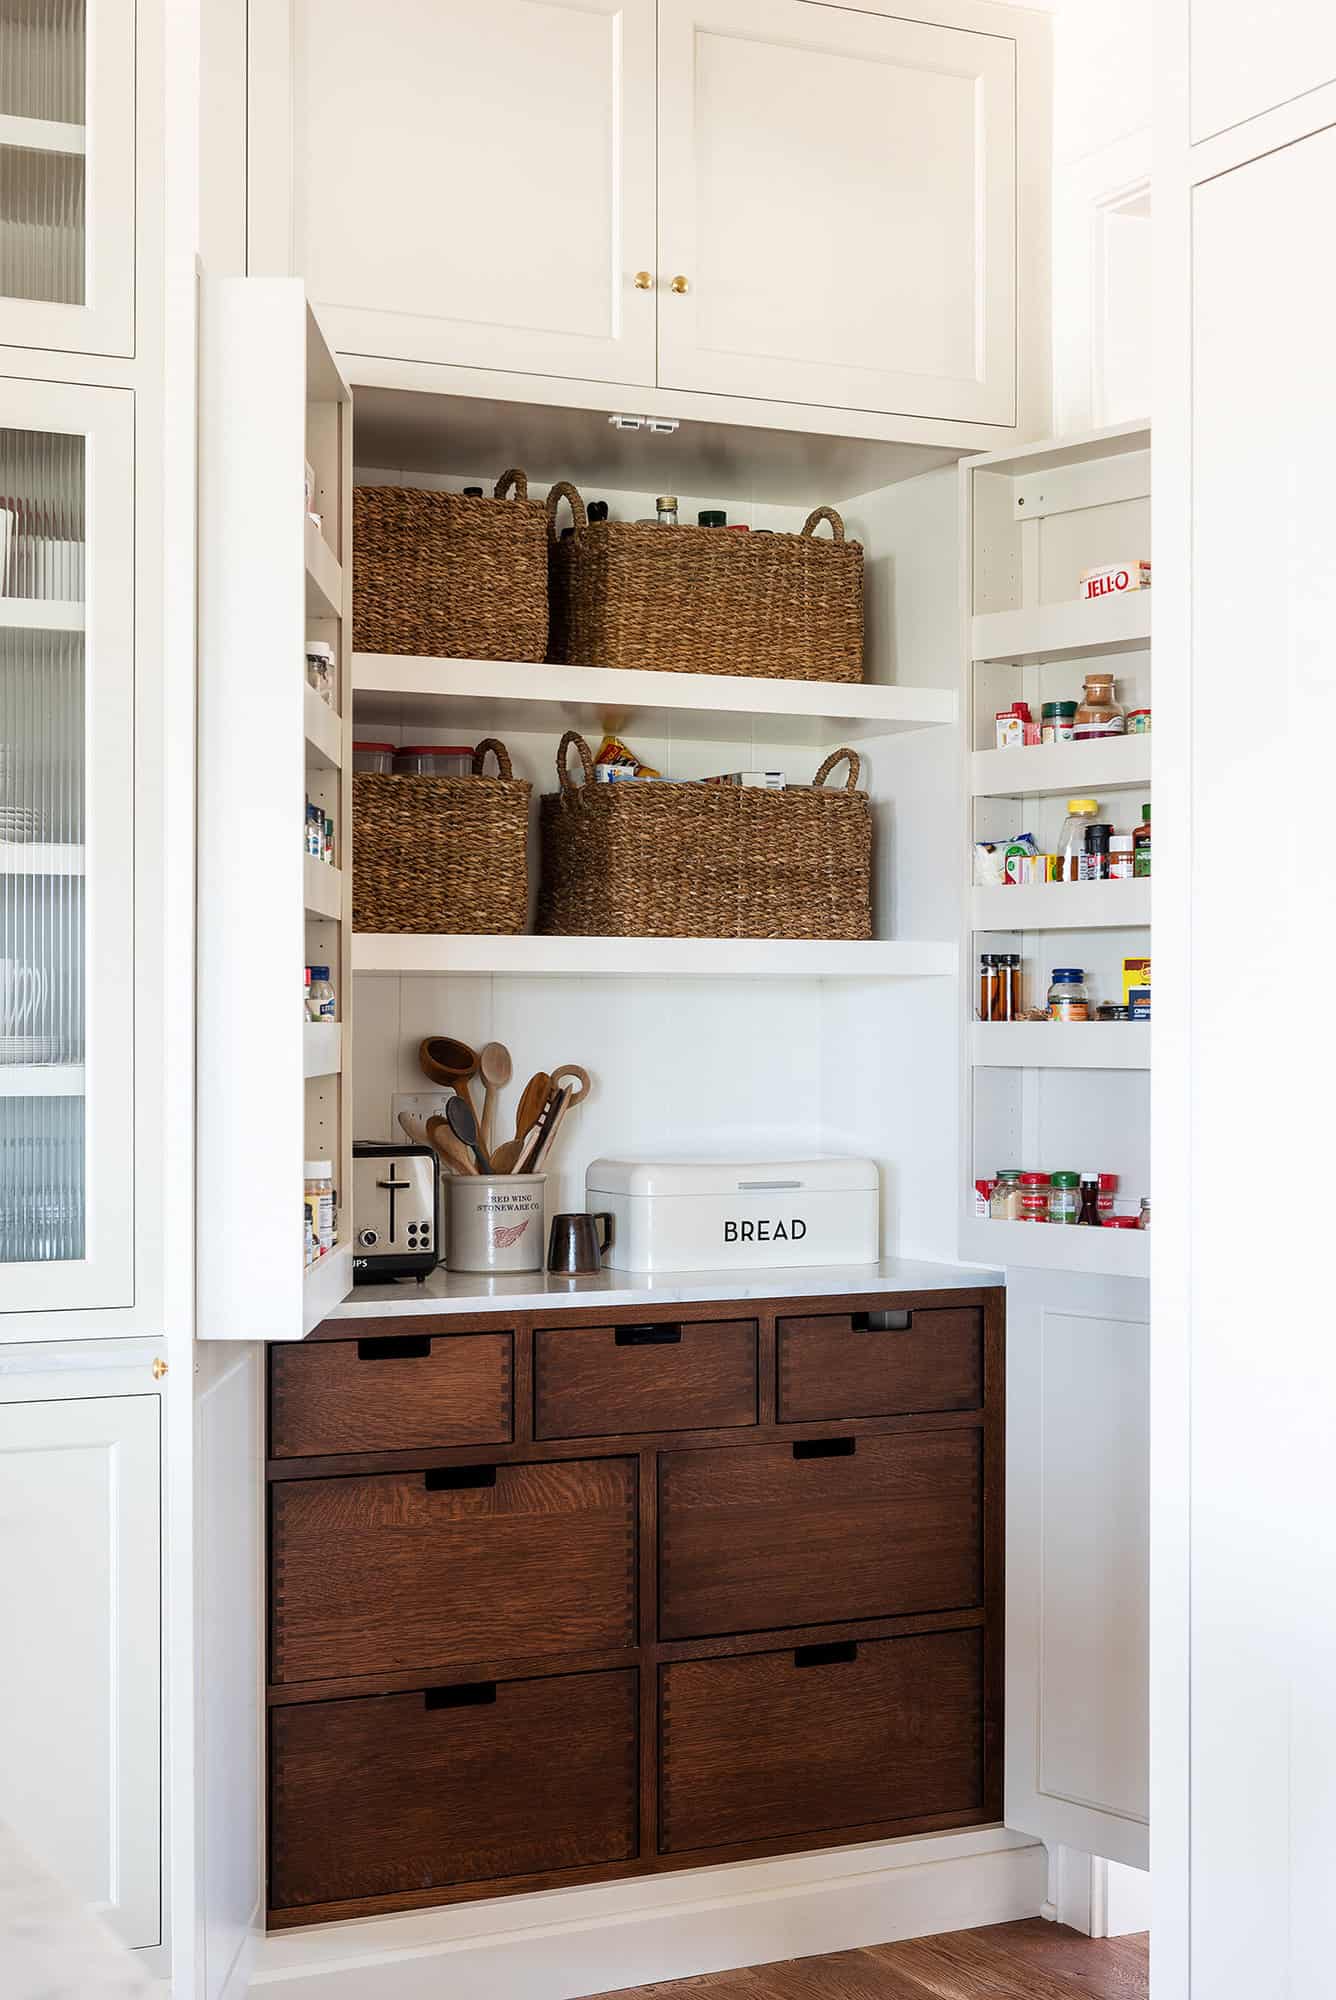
point(442, 854)
point(704, 860)
point(450, 577)
point(706, 600)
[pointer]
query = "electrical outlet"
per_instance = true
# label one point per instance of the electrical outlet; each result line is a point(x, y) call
point(423, 1104)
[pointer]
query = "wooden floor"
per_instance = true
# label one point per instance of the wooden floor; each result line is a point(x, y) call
point(1032, 1960)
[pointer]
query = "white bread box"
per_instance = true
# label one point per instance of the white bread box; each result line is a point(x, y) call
point(720, 1215)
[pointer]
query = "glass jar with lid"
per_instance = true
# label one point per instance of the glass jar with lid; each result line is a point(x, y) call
point(1098, 714)
point(1064, 1197)
point(1068, 997)
point(1071, 842)
point(1005, 1202)
point(320, 669)
point(1034, 1198)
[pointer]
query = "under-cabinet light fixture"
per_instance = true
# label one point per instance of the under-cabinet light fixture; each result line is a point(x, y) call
point(657, 426)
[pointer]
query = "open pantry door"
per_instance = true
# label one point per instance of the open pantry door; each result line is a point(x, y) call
point(1078, 1441)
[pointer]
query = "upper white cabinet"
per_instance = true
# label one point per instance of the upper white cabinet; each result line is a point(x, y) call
point(67, 175)
point(1249, 57)
point(769, 199)
point(837, 195)
point(469, 183)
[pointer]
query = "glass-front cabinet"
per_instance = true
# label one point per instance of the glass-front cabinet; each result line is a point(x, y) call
point(66, 847)
point(67, 174)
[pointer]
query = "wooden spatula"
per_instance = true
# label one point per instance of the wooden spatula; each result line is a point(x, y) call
point(532, 1099)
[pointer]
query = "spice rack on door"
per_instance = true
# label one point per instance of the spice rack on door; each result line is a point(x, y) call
point(1042, 1095)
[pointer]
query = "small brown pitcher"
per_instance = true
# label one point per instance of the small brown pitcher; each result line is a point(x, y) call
point(576, 1243)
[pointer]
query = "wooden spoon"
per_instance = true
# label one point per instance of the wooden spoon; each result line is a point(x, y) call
point(412, 1127)
point(532, 1099)
point(564, 1073)
point(450, 1063)
point(496, 1069)
point(457, 1158)
point(464, 1125)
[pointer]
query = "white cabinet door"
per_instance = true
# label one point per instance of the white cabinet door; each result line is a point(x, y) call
point(837, 188)
point(67, 175)
point(66, 847)
point(471, 183)
point(1078, 1442)
point(80, 1648)
point(1250, 55)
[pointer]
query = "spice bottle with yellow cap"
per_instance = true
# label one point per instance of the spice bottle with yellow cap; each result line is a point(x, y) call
point(1072, 845)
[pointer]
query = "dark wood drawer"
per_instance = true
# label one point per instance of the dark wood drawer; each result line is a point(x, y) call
point(406, 1792)
point(414, 1570)
point(879, 1364)
point(394, 1393)
point(603, 1381)
point(770, 1745)
point(756, 1538)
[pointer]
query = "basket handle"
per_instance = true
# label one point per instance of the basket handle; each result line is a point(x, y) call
point(504, 767)
point(563, 490)
point(836, 757)
point(586, 758)
point(824, 514)
point(514, 477)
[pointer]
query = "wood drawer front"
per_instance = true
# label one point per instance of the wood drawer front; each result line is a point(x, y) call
point(847, 1365)
point(760, 1748)
point(606, 1381)
point(387, 1794)
point(419, 1570)
point(756, 1539)
point(391, 1393)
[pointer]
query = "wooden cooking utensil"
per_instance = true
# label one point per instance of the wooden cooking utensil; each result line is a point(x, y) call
point(457, 1158)
point(450, 1063)
point(412, 1128)
point(534, 1137)
point(459, 1114)
point(571, 1073)
point(532, 1099)
point(496, 1069)
point(564, 1100)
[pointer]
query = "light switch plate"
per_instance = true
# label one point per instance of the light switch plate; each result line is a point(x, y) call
point(423, 1104)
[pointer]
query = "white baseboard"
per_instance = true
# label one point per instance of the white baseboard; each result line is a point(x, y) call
point(567, 1943)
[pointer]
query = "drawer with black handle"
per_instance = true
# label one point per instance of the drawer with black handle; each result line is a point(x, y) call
point(674, 1375)
point(879, 1364)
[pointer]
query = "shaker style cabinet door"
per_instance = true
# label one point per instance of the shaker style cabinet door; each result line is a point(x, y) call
point(67, 175)
point(470, 183)
point(80, 1540)
point(837, 194)
point(66, 847)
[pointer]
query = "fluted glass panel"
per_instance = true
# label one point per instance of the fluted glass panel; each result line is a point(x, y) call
point(42, 225)
point(42, 830)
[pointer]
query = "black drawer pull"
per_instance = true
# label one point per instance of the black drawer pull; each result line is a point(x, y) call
point(836, 1654)
point(451, 1478)
point(648, 1336)
point(469, 1694)
point(881, 1322)
point(396, 1347)
point(825, 1448)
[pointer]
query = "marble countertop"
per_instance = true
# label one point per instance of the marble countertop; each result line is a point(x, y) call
point(535, 1291)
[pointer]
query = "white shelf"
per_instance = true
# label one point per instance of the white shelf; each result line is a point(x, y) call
point(324, 734)
point(1074, 630)
point(40, 614)
point(39, 857)
point(1050, 1246)
point(1062, 906)
point(325, 1283)
point(41, 1080)
point(324, 577)
point(322, 1048)
point(649, 958)
point(324, 889)
point(1060, 1045)
point(1120, 763)
point(396, 691)
point(42, 135)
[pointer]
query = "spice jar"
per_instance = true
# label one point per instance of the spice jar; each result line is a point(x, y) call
point(1095, 860)
point(1064, 1198)
point(1009, 986)
point(320, 669)
point(1145, 1212)
point(1141, 846)
point(1098, 714)
point(988, 986)
point(1034, 1198)
point(1120, 857)
point(983, 1195)
point(1089, 1215)
point(665, 508)
point(1068, 999)
point(1005, 1202)
point(1108, 1189)
point(320, 1192)
point(1057, 721)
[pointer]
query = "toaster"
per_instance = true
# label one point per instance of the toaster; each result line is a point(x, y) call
point(396, 1211)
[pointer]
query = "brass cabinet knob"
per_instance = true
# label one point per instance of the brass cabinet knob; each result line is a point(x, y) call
point(159, 1369)
point(680, 285)
point(644, 281)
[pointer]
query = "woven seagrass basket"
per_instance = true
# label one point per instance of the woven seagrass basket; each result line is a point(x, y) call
point(450, 577)
point(442, 854)
point(706, 600)
point(705, 860)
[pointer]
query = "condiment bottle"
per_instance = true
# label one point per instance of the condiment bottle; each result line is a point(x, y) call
point(1071, 844)
point(1098, 714)
point(665, 508)
point(1141, 845)
point(1005, 1202)
point(1090, 1201)
point(1064, 1198)
point(1034, 1198)
point(319, 994)
point(320, 1189)
point(712, 517)
point(988, 987)
point(1095, 860)
point(1068, 999)
point(1009, 986)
